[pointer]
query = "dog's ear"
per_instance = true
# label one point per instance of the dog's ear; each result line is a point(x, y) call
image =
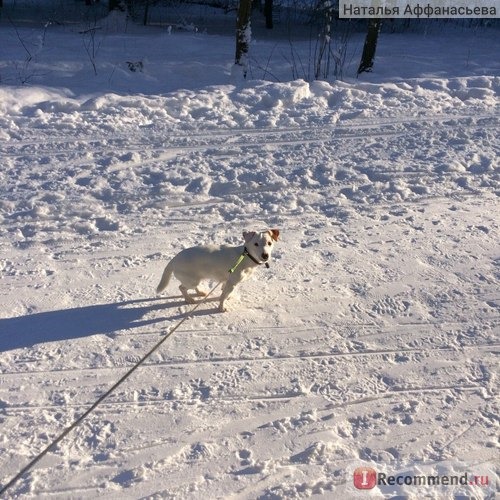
point(274, 234)
point(248, 235)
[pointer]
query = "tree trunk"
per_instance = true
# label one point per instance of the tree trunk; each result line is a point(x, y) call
point(113, 5)
point(243, 33)
point(370, 46)
point(268, 13)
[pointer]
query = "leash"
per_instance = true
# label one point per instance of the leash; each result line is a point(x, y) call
point(80, 419)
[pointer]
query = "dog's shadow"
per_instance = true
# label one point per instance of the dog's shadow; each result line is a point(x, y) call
point(67, 324)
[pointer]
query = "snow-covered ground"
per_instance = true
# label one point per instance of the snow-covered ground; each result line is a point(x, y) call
point(371, 340)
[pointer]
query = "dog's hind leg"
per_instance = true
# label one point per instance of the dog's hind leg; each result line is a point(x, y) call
point(185, 294)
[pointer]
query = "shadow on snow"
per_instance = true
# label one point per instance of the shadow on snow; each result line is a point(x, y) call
point(107, 319)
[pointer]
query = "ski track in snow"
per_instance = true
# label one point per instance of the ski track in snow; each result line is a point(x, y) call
point(371, 338)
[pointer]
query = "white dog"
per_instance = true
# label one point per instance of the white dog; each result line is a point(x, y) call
point(229, 265)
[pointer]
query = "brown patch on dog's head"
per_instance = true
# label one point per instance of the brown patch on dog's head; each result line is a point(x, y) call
point(274, 234)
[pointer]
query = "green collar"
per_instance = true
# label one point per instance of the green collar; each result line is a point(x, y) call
point(246, 253)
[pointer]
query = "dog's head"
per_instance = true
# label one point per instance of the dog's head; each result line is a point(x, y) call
point(260, 245)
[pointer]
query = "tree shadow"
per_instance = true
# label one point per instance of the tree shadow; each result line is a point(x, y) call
point(67, 324)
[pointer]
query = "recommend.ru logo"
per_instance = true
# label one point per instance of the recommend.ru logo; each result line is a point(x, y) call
point(365, 478)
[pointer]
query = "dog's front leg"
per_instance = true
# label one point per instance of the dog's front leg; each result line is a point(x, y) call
point(227, 289)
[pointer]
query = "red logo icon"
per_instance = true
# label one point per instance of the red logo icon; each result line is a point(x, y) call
point(365, 478)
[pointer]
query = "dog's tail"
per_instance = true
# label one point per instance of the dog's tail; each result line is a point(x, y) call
point(165, 279)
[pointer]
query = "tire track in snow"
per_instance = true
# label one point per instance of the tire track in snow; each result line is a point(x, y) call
point(258, 359)
point(236, 137)
point(18, 410)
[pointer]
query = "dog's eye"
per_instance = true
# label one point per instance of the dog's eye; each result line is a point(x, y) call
point(269, 243)
point(256, 244)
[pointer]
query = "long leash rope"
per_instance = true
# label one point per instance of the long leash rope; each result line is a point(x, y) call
point(80, 419)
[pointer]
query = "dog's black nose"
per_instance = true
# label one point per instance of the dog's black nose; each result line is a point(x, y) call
point(265, 256)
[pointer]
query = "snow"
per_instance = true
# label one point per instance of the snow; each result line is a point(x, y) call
point(371, 339)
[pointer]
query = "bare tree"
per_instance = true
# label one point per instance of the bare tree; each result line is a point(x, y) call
point(323, 48)
point(370, 46)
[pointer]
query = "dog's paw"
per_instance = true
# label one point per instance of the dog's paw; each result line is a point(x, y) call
point(222, 308)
